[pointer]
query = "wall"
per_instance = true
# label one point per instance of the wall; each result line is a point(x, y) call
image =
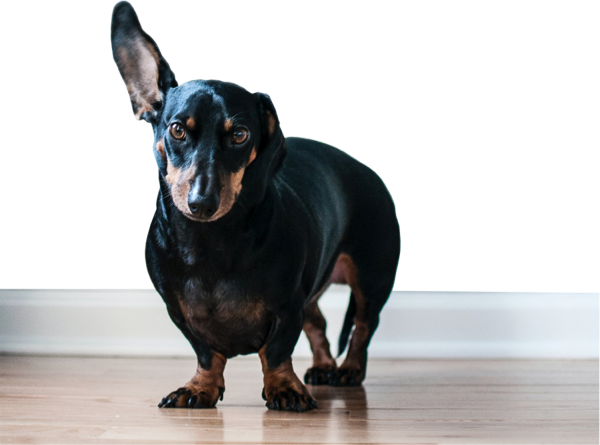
point(413, 324)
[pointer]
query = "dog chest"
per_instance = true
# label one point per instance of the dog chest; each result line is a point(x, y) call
point(227, 318)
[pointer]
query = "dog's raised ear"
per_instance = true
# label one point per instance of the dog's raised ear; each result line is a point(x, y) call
point(271, 151)
point(146, 73)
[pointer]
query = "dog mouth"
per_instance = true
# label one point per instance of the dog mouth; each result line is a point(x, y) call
point(198, 218)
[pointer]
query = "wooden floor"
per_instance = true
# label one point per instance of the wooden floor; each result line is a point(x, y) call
point(113, 400)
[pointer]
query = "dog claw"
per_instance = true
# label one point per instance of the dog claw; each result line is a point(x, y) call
point(188, 398)
point(318, 376)
point(290, 400)
point(297, 404)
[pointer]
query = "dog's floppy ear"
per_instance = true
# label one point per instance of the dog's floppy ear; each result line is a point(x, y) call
point(144, 70)
point(271, 151)
point(272, 140)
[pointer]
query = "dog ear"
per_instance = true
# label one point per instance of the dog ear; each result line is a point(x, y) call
point(271, 151)
point(272, 140)
point(144, 70)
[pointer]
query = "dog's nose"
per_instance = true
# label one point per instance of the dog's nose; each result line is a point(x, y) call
point(203, 198)
point(204, 206)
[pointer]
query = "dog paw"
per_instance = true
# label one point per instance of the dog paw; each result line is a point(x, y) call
point(192, 398)
point(290, 400)
point(318, 376)
point(346, 377)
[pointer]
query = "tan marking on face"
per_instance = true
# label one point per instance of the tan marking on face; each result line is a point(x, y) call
point(180, 182)
point(172, 174)
point(252, 156)
point(160, 148)
point(190, 123)
point(228, 124)
point(232, 187)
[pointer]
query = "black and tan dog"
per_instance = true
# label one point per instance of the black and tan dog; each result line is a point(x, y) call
point(251, 228)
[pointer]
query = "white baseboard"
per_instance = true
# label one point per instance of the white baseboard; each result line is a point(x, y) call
point(413, 324)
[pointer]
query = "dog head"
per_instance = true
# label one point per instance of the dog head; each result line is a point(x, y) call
point(213, 140)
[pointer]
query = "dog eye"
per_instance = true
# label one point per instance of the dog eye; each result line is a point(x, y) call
point(177, 131)
point(240, 135)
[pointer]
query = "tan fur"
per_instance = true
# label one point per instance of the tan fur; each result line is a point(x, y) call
point(205, 383)
point(232, 186)
point(271, 123)
point(180, 182)
point(190, 123)
point(228, 124)
point(236, 316)
point(314, 328)
point(344, 272)
point(212, 377)
point(138, 65)
point(160, 147)
point(252, 156)
point(282, 379)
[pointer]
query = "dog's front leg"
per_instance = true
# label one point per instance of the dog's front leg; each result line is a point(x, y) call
point(283, 390)
point(204, 390)
point(207, 385)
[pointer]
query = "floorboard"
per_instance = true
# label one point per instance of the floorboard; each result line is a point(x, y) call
point(113, 400)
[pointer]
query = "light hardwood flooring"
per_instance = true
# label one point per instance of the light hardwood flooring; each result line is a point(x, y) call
point(113, 400)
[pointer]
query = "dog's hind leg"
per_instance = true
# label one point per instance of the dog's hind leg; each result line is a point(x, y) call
point(323, 363)
point(371, 281)
point(353, 370)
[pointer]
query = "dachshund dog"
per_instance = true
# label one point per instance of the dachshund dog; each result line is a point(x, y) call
point(251, 228)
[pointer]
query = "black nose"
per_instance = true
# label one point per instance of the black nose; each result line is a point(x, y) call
point(204, 206)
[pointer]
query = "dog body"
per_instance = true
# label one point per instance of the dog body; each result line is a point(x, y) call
point(251, 228)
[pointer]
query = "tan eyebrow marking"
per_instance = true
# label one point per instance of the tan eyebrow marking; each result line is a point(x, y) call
point(190, 123)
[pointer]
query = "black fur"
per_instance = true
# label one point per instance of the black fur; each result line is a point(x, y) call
point(237, 268)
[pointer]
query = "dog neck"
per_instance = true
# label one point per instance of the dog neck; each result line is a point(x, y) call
point(241, 228)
